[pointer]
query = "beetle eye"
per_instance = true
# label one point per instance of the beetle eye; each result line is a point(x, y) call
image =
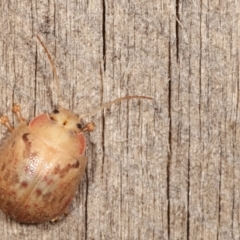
point(79, 126)
point(55, 111)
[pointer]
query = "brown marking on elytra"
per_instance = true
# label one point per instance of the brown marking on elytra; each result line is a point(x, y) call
point(48, 180)
point(35, 205)
point(46, 196)
point(6, 175)
point(24, 184)
point(25, 137)
point(38, 192)
point(56, 169)
point(64, 171)
point(9, 204)
point(60, 200)
point(2, 192)
point(3, 167)
point(12, 193)
point(76, 164)
point(14, 179)
point(28, 145)
point(54, 200)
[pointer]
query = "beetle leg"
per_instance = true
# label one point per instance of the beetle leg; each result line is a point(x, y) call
point(5, 121)
point(17, 110)
point(54, 220)
point(66, 212)
point(89, 127)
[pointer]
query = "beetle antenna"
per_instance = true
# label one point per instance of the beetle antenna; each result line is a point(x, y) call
point(112, 102)
point(53, 69)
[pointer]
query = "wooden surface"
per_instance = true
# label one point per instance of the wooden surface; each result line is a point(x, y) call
point(162, 169)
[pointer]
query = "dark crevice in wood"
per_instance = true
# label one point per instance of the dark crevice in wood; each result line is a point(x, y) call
point(169, 139)
point(102, 79)
point(102, 74)
point(32, 25)
point(103, 117)
point(235, 152)
point(218, 235)
point(177, 28)
point(170, 117)
point(103, 141)
point(104, 33)
point(200, 102)
point(189, 147)
point(54, 23)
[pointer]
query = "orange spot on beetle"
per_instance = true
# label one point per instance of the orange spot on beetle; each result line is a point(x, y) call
point(82, 143)
point(39, 120)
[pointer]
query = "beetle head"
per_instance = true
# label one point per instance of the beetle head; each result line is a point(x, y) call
point(66, 119)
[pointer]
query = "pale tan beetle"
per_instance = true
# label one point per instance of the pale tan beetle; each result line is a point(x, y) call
point(42, 162)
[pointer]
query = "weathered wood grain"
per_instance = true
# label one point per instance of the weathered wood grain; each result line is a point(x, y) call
point(162, 169)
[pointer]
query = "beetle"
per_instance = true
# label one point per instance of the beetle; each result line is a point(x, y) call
point(42, 161)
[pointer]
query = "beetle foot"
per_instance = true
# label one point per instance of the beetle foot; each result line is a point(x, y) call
point(89, 127)
point(5, 121)
point(54, 220)
point(66, 212)
point(17, 110)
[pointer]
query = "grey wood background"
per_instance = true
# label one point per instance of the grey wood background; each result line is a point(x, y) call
point(162, 169)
